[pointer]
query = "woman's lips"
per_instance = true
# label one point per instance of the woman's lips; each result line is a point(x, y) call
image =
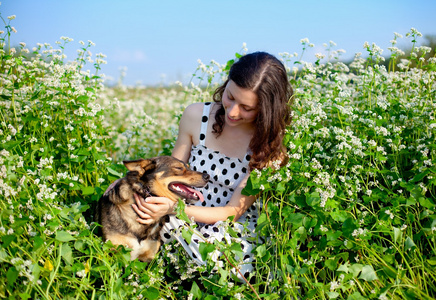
point(232, 120)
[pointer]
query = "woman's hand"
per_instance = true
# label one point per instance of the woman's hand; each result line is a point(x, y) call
point(152, 209)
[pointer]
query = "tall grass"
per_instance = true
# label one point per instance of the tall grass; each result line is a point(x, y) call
point(351, 216)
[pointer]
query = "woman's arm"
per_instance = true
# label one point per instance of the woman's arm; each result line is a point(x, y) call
point(155, 207)
point(236, 207)
point(189, 127)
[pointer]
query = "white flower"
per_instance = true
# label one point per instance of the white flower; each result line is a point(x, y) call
point(81, 273)
point(334, 285)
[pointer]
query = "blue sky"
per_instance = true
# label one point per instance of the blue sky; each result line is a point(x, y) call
point(152, 38)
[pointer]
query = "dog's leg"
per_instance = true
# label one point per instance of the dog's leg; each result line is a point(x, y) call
point(148, 249)
point(130, 242)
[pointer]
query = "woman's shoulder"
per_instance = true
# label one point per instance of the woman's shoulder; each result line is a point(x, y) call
point(195, 110)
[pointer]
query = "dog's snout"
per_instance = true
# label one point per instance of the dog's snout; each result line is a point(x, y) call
point(206, 176)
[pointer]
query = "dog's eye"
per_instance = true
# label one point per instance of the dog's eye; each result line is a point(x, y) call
point(180, 169)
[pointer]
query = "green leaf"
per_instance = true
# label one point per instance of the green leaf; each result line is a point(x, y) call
point(250, 188)
point(187, 235)
point(368, 273)
point(426, 202)
point(333, 235)
point(37, 243)
point(67, 253)
point(344, 267)
point(11, 144)
point(24, 296)
point(151, 293)
point(332, 264)
point(348, 226)
point(88, 190)
point(237, 249)
point(355, 269)
point(79, 159)
point(11, 275)
point(229, 64)
point(205, 248)
point(8, 239)
point(64, 236)
point(397, 235)
point(223, 276)
point(280, 187)
point(332, 295)
point(261, 250)
point(113, 172)
point(3, 255)
point(296, 219)
point(356, 296)
point(195, 290)
point(409, 244)
point(82, 98)
point(339, 215)
point(313, 199)
point(420, 176)
point(388, 271)
point(180, 211)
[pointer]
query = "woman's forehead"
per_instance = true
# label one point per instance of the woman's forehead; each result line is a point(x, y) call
point(244, 96)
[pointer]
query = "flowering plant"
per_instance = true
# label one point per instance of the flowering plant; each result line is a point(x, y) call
point(351, 215)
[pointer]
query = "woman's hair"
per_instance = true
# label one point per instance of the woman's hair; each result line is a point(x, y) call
point(265, 75)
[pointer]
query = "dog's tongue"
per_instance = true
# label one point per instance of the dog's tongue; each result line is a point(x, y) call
point(192, 191)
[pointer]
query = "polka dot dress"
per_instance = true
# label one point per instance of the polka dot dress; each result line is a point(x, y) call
point(225, 175)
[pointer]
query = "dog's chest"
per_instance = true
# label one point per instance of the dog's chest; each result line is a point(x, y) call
point(141, 231)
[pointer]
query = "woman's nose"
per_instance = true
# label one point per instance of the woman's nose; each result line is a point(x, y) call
point(233, 110)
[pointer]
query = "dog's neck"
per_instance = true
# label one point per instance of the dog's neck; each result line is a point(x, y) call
point(147, 192)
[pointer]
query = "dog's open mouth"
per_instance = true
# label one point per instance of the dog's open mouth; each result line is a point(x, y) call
point(186, 192)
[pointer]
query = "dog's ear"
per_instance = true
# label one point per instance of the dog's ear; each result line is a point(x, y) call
point(140, 165)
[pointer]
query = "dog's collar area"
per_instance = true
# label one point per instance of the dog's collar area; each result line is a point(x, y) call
point(147, 192)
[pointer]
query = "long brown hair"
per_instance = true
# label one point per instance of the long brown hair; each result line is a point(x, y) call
point(266, 76)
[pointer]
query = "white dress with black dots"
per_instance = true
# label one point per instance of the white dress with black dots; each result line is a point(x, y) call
point(225, 175)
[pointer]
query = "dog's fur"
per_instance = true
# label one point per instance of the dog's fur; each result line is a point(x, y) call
point(163, 176)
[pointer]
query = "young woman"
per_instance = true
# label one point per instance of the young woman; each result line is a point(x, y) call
point(240, 131)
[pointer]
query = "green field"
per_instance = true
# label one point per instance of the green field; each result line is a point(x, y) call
point(351, 216)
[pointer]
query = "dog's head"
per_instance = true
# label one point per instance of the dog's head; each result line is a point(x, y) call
point(166, 176)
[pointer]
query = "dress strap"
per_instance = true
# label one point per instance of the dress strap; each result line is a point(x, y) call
point(204, 121)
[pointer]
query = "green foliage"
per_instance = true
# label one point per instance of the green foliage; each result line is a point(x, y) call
point(357, 197)
point(351, 215)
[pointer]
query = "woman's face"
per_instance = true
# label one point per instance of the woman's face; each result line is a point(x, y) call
point(240, 105)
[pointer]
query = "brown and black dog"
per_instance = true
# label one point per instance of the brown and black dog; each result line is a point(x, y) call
point(162, 176)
